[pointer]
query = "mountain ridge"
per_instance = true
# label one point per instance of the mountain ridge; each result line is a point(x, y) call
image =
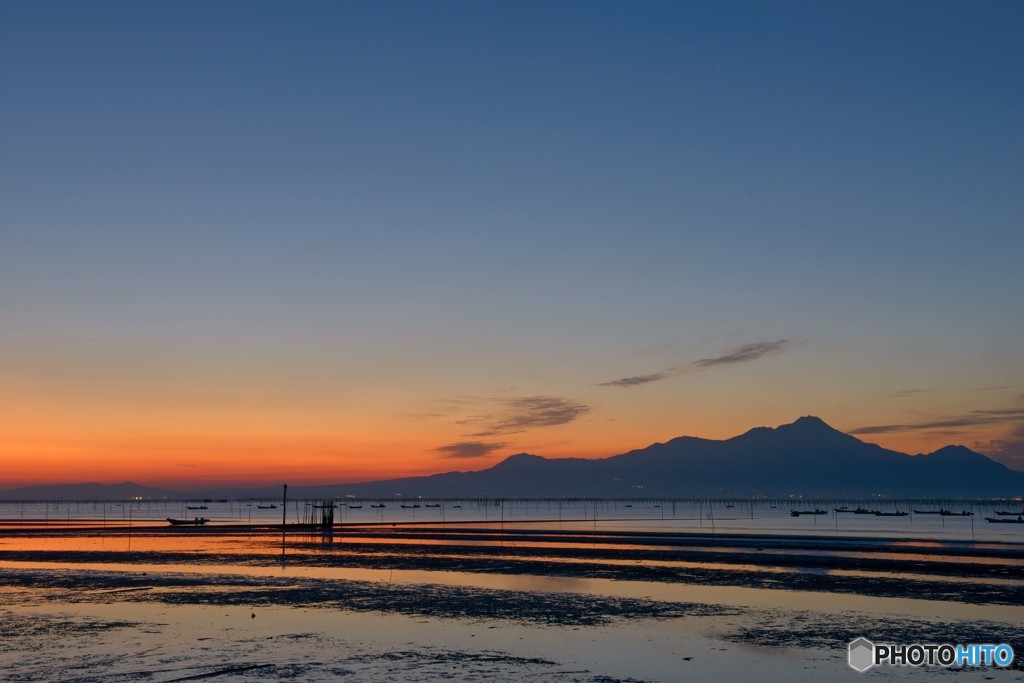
point(806, 457)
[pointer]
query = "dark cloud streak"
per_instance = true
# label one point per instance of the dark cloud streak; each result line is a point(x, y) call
point(744, 354)
point(468, 449)
point(515, 415)
point(741, 354)
point(975, 418)
point(638, 380)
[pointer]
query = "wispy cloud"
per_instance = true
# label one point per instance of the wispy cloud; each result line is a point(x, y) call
point(910, 392)
point(639, 379)
point(741, 354)
point(540, 411)
point(744, 354)
point(974, 418)
point(468, 449)
point(518, 414)
point(1009, 451)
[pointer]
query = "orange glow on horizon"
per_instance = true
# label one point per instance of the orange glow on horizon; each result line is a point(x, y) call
point(253, 460)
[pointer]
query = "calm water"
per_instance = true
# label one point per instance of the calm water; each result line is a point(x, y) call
point(761, 517)
point(643, 649)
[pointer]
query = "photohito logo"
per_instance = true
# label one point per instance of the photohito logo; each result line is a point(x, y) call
point(863, 654)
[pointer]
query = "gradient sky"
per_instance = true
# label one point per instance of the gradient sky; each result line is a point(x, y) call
point(273, 241)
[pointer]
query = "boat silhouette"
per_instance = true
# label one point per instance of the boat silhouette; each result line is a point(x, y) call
point(1019, 520)
point(198, 521)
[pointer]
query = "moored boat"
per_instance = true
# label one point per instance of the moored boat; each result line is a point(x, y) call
point(1019, 520)
point(197, 521)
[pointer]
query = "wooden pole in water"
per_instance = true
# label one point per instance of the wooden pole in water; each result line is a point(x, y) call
point(284, 507)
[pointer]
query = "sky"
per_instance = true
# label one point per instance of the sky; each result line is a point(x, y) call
point(254, 242)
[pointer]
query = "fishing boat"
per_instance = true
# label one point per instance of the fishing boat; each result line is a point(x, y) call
point(410, 506)
point(897, 513)
point(1004, 513)
point(382, 505)
point(197, 507)
point(947, 513)
point(198, 521)
point(927, 512)
point(1019, 520)
point(797, 513)
point(864, 511)
point(267, 507)
point(354, 507)
point(433, 505)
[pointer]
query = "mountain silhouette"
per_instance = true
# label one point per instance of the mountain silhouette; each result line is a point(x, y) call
point(806, 457)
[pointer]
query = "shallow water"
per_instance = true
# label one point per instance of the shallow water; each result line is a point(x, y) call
point(771, 631)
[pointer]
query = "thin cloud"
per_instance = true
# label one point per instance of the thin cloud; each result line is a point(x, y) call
point(539, 411)
point(519, 414)
point(911, 392)
point(638, 380)
point(741, 354)
point(974, 418)
point(1009, 451)
point(468, 449)
point(744, 354)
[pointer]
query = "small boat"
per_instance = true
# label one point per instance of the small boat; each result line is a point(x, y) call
point(928, 512)
point(797, 513)
point(324, 507)
point(267, 507)
point(354, 507)
point(947, 513)
point(456, 506)
point(410, 506)
point(433, 505)
point(1003, 513)
point(730, 506)
point(843, 510)
point(629, 506)
point(863, 511)
point(198, 521)
point(382, 505)
point(197, 507)
point(879, 513)
point(1019, 520)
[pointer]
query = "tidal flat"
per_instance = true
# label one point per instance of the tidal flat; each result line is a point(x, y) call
point(494, 602)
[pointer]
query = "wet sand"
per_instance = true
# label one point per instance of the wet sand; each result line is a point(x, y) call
point(489, 604)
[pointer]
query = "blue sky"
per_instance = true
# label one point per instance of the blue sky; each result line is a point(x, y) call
point(407, 202)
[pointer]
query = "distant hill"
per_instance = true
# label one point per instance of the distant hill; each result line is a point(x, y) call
point(91, 491)
point(806, 457)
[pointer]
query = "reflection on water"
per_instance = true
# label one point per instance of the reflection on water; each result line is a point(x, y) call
point(136, 542)
point(717, 516)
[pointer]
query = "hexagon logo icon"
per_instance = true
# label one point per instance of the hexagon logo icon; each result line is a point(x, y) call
point(862, 654)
